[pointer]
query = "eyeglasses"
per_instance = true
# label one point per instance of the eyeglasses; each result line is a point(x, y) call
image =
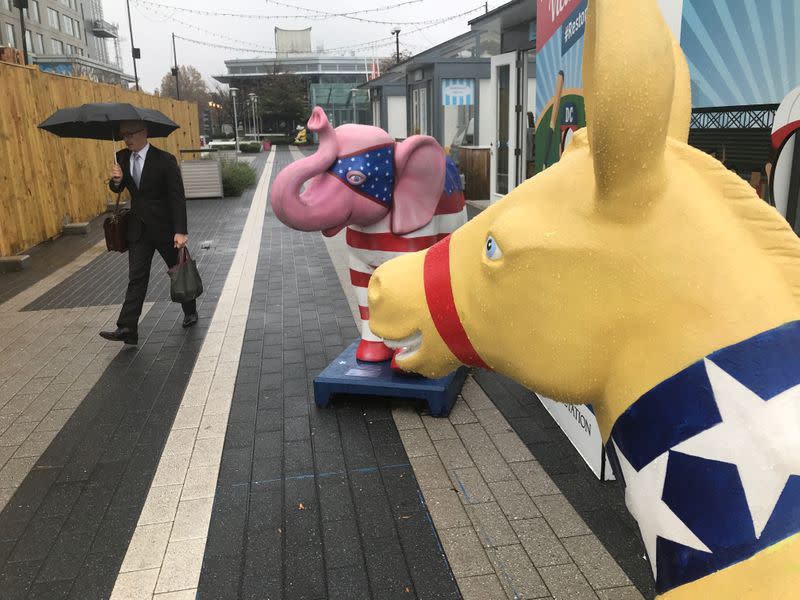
point(128, 134)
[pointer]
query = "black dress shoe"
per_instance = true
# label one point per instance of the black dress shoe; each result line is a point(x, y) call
point(122, 334)
point(189, 320)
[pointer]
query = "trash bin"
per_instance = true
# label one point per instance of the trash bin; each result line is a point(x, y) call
point(266, 145)
point(202, 177)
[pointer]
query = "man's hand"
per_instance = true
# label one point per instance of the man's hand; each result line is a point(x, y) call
point(116, 174)
point(181, 239)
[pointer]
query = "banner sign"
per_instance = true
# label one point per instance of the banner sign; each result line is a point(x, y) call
point(458, 92)
point(559, 77)
point(579, 424)
point(550, 14)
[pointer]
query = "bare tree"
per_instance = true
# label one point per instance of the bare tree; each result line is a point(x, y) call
point(192, 85)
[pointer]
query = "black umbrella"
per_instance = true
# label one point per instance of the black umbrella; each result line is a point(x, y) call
point(101, 120)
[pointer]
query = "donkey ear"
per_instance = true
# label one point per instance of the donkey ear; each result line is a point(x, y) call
point(628, 76)
point(419, 182)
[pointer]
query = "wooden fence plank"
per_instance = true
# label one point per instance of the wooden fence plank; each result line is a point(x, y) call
point(45, 180)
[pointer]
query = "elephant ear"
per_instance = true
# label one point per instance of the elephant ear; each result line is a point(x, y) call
point(419, 181)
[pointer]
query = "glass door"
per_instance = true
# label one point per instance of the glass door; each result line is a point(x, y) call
point(505, 146)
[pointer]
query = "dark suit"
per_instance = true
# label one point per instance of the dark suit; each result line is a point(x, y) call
point(158, 212)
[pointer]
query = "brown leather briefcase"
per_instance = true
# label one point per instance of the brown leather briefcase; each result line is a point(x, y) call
point(116, 229)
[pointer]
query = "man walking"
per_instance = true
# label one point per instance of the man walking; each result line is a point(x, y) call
point(157, 222)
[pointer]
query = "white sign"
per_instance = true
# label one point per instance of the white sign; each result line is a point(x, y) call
point(580, 426)
point(458, 92)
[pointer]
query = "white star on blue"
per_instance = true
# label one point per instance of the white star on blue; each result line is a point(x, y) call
point(722, 439)
point(376, 184)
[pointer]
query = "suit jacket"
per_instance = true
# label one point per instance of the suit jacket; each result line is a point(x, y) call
point(159, 200)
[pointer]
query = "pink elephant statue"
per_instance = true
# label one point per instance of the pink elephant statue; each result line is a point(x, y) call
point(393, 197)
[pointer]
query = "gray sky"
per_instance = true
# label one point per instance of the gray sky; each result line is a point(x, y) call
point(153, 26)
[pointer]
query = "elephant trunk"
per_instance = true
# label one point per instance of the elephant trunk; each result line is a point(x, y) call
point(308, 211)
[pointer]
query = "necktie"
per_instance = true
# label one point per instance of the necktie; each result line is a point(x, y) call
point(137, 168)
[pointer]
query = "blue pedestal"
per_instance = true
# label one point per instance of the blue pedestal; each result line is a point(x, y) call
point(346, 375)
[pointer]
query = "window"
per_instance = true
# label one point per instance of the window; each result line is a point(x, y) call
point(52, 17)
point(33, 7)
point(458, 113)
point(76, 28)
point(38, 43)
point(65, 2)
point(58, 46)
point(11, 39)
point(67, 24)
point(29, 40)
point(9, 4)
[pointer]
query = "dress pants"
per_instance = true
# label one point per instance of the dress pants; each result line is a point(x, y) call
point(140, 257)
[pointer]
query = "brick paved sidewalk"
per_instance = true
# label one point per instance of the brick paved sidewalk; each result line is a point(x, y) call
point(198, 466)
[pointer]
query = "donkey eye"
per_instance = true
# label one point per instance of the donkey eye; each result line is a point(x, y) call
point(356, 177)
point(493, 251)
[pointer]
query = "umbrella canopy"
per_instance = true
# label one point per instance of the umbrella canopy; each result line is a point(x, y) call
point(100, 121)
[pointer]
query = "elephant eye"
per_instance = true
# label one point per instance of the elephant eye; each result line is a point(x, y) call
point(493, 251)
point(356, 177)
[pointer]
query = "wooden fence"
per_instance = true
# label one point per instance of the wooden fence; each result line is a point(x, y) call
point(47, 181)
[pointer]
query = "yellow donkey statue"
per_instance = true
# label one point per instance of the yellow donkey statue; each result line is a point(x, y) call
point(638, 275)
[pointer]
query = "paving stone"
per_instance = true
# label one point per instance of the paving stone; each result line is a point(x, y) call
point(461, 413)
point(470, 486)
point(597, 565)
point(474, 395)
point(566, 582)
point(7, 452)
point(430, 473)
point(417, 442)
point(17, 433)
point(488, 460)
point(439, 428)
point(465, 553)
point(446, 509)
point(342, 544)
point(493, 421)
point(514, 500)
point(33, 447)
point(347, 583)
point(541, 544)
point(147, 547)
point(511, 447)
point(534, 478)
point(406, 417)
point(136, 585)
point(191, 520)
point(15, 471)
point(491, 525)
point(561, 516)
point(453, 454)
point(482, 587)
point(182, 563)
point(516, 573)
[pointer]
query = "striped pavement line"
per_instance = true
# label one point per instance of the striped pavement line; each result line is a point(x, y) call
point(165, 555)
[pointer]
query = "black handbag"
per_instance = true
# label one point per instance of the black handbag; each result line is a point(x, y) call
point(185, 282)
point(115, 228)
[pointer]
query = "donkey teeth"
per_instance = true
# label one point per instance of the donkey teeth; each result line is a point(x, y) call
point(408, 345)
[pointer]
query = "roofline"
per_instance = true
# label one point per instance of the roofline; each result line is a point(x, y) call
point(496, 11)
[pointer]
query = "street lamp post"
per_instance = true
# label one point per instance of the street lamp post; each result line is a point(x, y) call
point(396, 34)
point(235, 119)
point(135, 53)
point(175, 69)
point(252, 97)
point(353, 92)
